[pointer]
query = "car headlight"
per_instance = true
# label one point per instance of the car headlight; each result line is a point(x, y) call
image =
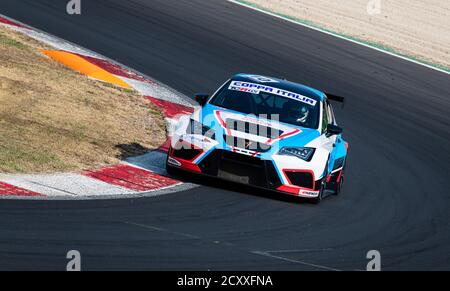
point(196, 127)
point(300, 152)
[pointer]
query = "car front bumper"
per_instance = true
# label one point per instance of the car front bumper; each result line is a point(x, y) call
point(245, 169)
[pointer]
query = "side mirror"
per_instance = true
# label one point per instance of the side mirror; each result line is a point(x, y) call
point(201, 98)
point(333, 130)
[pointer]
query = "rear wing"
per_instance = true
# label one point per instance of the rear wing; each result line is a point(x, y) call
point(336, 98)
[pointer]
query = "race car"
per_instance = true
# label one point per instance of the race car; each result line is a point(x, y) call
point(266, 132)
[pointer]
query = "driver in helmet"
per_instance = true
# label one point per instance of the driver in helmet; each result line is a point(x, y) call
point(296, 111)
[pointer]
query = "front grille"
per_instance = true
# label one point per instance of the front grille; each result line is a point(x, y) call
point(241, 159)
point(241, 168)
point(253, 128)
point(247, 144)
point(301, 179)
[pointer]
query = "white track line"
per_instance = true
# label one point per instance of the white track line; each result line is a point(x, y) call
point(341, 37)
point(295, 261)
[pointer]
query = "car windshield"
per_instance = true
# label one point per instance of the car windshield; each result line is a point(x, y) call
point(269, 102)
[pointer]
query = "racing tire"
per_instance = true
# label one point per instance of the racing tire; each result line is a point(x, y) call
point(339, 186)
point(341, 182)
point(323, 186)
point(170, 170)
point(320, 197)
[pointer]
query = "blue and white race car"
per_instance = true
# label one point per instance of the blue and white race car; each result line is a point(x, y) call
point(264, 132)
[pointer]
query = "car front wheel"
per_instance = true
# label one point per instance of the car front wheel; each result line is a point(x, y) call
point(320, 197)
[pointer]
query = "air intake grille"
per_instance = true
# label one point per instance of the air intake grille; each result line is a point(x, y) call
point(301, 179)
point(186, 154)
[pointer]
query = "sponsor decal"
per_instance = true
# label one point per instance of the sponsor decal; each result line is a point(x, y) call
point(244, 89)
point(174, 162)
point(309, 193)
point(257, 88)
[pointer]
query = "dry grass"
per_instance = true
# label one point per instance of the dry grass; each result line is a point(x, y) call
point(54, 119)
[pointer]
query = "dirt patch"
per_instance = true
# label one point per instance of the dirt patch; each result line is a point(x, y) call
point(419, 28)
point(54, 119)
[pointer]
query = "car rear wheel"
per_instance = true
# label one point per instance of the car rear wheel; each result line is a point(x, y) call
point(340, 185)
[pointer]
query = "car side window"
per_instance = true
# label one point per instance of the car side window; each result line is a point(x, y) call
point(325, 119)
point(330, 113)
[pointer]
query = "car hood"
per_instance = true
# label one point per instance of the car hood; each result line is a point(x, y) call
point(227, 122)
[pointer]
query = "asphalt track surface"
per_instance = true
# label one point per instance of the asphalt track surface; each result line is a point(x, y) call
point(396, 120)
